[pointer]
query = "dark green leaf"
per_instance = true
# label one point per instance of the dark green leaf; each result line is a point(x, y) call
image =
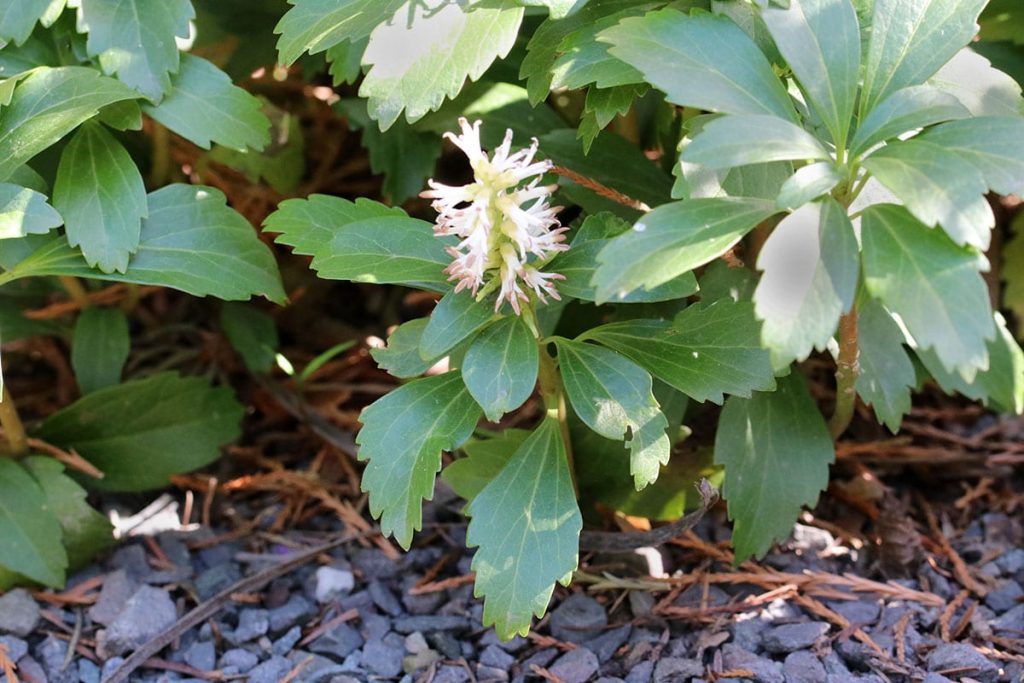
point(776, 451)
point(25, 212)
point(316, 25)
point(402, 438)
point(807, 184)
point(308, 225)
point(886, 371)
point(99, 348)
point(281, 164)
point(500, 367)
point(253, 335)
point(454, 319)
point(19, 17)
point(723, 281)
point(526, 523)
point(602, 106)
point(29, 530)
point(729, 141)
point(344, 60)
point(401, 357)
point(484, 459)
point(913, 107)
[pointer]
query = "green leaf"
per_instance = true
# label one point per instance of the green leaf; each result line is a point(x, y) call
point(937, 187)
point(315, 25)
point(613, 396)
point(19, 17)
point(602, 106)
point(427, 54)
point(457, 316)
point(401, 357)
point(910, 40)
point(402, 438)
point(674, 239)
point(135, 39)
point(189, 241)
point(984, 90)
point(886, 371)
point(702, 61)
point(558, 9)
point(344, 61)
point(141, 432)
point(100, 192)
point(722, 281)
point(308, 225)
point(913, 107)
point(776, 451)
point(810, 265)
point(204, 107)
point(84, 531)
point(500, 367)
point(99, 348)
point(484, 459)
point(992, 144)
point(578, 264)
point(25, 212)
point(29, 530)
point(526, 523)
point(913, 270)
point(583, 60)
point(281, 164)
point(820, 40)
point(707, 351)
point(47, 105)
point(253, 334)
point(731, 141)
point(807, 184)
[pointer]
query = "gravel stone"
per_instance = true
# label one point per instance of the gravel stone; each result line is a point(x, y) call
point(496, 657)
point(578, 619)
point(118, 587)
point(811, 539)
point(1013, 620)
point(804, 667)
point(332, 582)
point(148, 612)
point(292, 612)
point(383, 659)
point(384, 599)
point(609, 679)
point(374, 564)
point(201, 655)
point(252, 623)
point(1005, 598)
point(490, 674)
point(694, 596)
point(29, 670)
point(283, 645)
point(426, 603)
point(641, 673)
point(240, 659)
point(51, 654)
point(16, 647)
point(541, 658)
point(87, 671)
point(217, 578)
point(575, 666)
point(748, 633)
point(764, 670)
point(109, 666)
point(962, 660)
point(429, 624)
point(607, 644)
point(19, 613)
point(860, 612)
point(445, 643)
point(416, 643)
point(677, 670)
point(452, 674)
point(338, 643)
point(936, 678)
point(791, 637)
point(270, 671)
point(1012, 562)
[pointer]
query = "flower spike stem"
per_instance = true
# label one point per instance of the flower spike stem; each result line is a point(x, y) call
point(14, 430)
point(600, 189)
point(847, 370)
point(554, 401)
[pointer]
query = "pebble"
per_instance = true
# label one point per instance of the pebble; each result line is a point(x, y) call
point(148, 612)
point(252, 623)
point(641, 673)
point(384, 599)
point(87, 671)
point(575, 666)
point(270, 671)
point(578, 619)
point(803, 666)
point(240, 659)
point(117, 588)
point(496, 657)
point(859, 612)
point(383, 658)
point(19, 613)
point(1012, 620)
point(962, 660)
point(607, 644)
point(283, 645)
point(1012, 561)
point(16, 648)
point(338, 643)
point(677, 670)
point(791, 637)
point(332, 582)
point(1005, 597)
point(201, 655)
point(764, 670)
point(217, 578)
point(428, 623)
point(372, 563)
point(292, 612)
point(452, 674)
point(747, 633)
point(51, 654)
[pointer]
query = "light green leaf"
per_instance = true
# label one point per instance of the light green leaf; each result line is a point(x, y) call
point(558, 9)
point(401, 357)
point(579, 263)
point(983, 89)
point(135, 39)
point(915, 271)
point(937, 187)
point(101, 194)
point(189, 241)
point(992, 144)
point(526, 523)
point(141, 432)
point(729, 141)
point(456, 316)
point(426, 54)
point(886, 371)
point(702, 61)
point(672, 240)
point(402, 438)
point(776, 451)
point(308, 225)
point(282, 164)
point(820, 40)
point(500, 367)
point(25, 212)
point(910, 40)
point(253, 334)
point(810, 265)
point(19, 17)
point(345, 60)
point(807, 184)
point(602, 106)
point(612, 395)
point(484, 459)
point(707, 351)
point(29, 530)
point(47, 105)
point(583, 60)
point(315, 25)
point(913, 107)
point(99, 348)
point(204, 107)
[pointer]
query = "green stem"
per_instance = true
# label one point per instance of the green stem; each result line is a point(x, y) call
point(847, 370)
point(14, 430)
point(160, 171)
point(554, 402)
point(76, 290)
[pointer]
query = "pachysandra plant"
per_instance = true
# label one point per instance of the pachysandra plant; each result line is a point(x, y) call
point(854, 162)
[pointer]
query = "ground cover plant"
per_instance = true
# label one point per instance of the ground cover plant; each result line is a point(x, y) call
point(686, 206)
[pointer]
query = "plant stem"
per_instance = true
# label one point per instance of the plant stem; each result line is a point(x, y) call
point(160, 170)
point(847, 370)
point(14, 430)
point(554, 401)
point(76, 290)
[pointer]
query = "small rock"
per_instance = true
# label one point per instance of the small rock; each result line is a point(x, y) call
point(332, 582)
point(490, 674)
point(791, 637)
point(420, 660)
point(606, 644)
point(811, 539)
point(1005, 598)
point(748, 633)
point(252, 623)
point(962, 660)
point(578, 619)
point(338, 643)
point(131, 558)
point(148, 612)
point(201, 655)
point(110, 666)
point(496, 657)
point(16, 648)
point(425, 603)
point(1012, 620)
point(451, 674)
point(374, 626)
point(677, 670)
point(446, 644)
point(575, 666)
point(859, 612)
point(641, 673)
point(540, 658)
point(641, 603)
point(695, 596)
point(384, 598)
point(804, 667)
point(1011, 562)
point(416, 643)
point(87, 671)
point(118, 587)
point(51, 654)
point(270, 671)
point(19, 613)
point(764, 670)
point(240, 659)
point(936, 678)
point(292, 612)
point(29, 670)
point(372, 563)
point(429, 624)
point(283, 645)
point(382, 658)
point(217, 578)
point(609, 679)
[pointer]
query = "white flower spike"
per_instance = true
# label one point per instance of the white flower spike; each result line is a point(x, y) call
point(503, 218)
